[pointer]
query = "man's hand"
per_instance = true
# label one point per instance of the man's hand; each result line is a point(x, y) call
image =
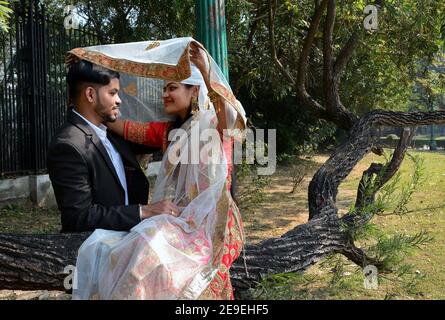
point(164, 206)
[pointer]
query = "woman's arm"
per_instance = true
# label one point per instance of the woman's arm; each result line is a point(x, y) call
point(116, 127)
point(149, 134)
point(220, 109)
point(198, 57)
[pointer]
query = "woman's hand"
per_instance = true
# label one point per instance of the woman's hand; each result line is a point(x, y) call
point(199, 59)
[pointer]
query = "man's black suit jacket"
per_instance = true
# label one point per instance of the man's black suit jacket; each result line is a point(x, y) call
point(87, 188)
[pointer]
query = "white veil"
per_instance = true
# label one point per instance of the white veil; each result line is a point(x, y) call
point(165, 257)
point(144, 66)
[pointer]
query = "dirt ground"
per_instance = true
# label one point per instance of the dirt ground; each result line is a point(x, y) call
point(281, 211)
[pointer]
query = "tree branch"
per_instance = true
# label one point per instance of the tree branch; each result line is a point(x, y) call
point(307, 44)
point(359, 257)
point(345, 54)
point(404, 119)
point(341, 116)
point(384, 173)
point(366, 191)
point(328, 64)
point(253, 29)
point(363, 198)
point(323, 187)
point(302, 94)
point(276, 61)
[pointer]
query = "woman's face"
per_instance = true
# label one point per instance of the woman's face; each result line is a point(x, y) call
point(177, 98)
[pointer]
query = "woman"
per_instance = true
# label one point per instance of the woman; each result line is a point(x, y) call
point(189, 256)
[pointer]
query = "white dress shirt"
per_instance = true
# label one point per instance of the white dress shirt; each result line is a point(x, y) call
point(115, 157)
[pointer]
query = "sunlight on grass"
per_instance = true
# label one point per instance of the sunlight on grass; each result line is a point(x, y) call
point(322, 281)
point(283, 209)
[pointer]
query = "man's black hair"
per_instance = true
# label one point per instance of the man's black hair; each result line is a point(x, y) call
point(83, 72)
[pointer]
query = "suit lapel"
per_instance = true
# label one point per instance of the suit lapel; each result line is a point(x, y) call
point(99, 145)
point(89, 132)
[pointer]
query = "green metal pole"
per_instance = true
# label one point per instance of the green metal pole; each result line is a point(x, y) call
point(211, 30)
point(433, 144)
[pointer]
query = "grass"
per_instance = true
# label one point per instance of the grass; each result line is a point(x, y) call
point(428, 137)
point(338, 278)
point(24, 217)
point(424, 137)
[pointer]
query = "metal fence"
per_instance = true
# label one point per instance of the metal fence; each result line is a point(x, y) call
point(33, 87)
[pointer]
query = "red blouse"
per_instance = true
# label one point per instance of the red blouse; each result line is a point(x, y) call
point(152, 134)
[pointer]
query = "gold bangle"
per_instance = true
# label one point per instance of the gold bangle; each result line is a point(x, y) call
point(213, 96)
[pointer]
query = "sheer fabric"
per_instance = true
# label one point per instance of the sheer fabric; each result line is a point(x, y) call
point(145, 65)
point(166, 257)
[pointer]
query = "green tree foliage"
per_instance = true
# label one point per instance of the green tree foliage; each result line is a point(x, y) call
point(138, 20)
point(5, 12)
point(429, 86)
point(381, 74)
point(386, 62)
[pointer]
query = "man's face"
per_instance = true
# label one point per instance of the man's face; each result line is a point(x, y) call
point(108, 101)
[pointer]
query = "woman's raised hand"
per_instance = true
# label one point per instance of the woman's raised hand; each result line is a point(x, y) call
point(199, 59)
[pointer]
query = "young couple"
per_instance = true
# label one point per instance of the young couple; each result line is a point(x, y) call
point(180, 245)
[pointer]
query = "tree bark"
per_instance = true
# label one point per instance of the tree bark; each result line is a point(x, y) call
point(31, 262)
point(38, 261)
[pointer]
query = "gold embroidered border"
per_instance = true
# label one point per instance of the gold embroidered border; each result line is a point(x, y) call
point(231, 99)
point(220, 287)
point(222, 208)
point(152, 70)
point(136, 131)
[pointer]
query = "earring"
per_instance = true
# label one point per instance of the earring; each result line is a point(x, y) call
point(195, 106)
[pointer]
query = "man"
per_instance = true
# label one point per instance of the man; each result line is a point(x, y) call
point(97, 180)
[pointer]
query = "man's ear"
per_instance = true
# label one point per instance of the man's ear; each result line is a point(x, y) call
point(90, 94)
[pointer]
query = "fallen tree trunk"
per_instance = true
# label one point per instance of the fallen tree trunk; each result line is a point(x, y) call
point(39, 261)
point(31, 262)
